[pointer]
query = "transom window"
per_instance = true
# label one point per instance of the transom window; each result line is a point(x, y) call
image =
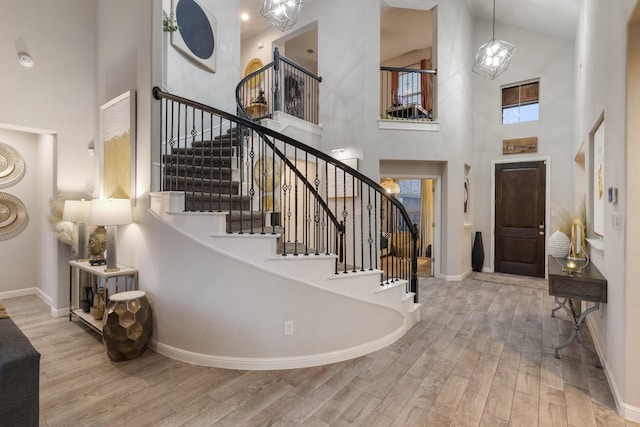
point(520, 103)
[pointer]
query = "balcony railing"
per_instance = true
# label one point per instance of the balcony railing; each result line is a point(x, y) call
point(281, 85)
point(406, 94)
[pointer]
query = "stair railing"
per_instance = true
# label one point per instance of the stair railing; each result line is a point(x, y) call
point(267, 182)
point(281, 85)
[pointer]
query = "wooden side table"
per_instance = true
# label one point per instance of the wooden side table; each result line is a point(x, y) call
point(569, 288)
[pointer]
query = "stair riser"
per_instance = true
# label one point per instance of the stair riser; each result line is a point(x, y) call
point(182, 160)
point(200, 185)
point(220, 174)
point(223, 204)
point(203, 152)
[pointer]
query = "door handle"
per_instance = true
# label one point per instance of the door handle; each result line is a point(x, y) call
point(541, 233)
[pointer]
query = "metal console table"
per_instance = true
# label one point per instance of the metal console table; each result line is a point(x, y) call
point(100, 281)
point(571, 287)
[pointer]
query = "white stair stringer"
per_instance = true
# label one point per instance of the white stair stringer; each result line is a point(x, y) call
point(260, 250)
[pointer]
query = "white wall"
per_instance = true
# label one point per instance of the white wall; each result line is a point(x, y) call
point(552, 61)
point(452, 143)
point(20, 255)
point(55, 97)
point(186, 79)
point(57, 94)
point(600, 72)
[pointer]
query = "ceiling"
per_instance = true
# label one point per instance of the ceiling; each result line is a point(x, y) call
point(553, 17)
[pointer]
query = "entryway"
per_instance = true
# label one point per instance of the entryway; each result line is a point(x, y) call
point(520, 218)
point(417, 195)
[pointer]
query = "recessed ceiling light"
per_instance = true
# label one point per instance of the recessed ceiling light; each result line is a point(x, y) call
point(244, 16)
point(25, 59)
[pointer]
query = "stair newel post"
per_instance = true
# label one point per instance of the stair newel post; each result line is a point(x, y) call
point(276, 79)
point(295, 209)
point(212, 165)
point(375, 227)
point(361, 230)
point(414, 264)
point(340, 244)
point(306, 197)
point(316, 211)
point(353, 217)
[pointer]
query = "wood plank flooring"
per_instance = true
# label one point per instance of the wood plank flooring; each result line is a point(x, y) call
point(482, 355)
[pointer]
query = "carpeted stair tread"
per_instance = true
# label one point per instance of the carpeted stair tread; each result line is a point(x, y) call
point(182, 159)
point(203, 171)
point(193, 183)
point(203, 151)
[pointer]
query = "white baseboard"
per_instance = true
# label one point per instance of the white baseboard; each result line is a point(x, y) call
point(452, 277)
point(19, 293)
point(260, 364)
point(55, 312)
point(629, 412)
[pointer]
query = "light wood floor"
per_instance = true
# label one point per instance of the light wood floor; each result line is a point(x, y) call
point(482, 355)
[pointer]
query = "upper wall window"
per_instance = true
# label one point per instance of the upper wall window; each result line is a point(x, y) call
point(520, 103)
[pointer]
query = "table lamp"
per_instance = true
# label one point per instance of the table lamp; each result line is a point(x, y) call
point(78, 211)
point(111, 213)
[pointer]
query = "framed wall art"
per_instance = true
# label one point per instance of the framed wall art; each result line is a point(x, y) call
point(598, 180)
point(117, 133)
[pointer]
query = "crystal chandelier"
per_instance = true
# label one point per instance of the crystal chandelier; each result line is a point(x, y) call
point(281, 13)
point(494, 56)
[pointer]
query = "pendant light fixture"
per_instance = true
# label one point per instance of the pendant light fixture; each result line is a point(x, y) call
point(283, 14)
point(494, 56)
point(390, 185)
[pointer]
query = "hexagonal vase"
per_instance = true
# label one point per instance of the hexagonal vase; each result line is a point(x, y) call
point(128, 326)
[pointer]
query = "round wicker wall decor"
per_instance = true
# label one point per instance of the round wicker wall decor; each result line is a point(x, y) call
point(13, 216)
point(12, 166)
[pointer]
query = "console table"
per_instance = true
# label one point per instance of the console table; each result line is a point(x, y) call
point(571, 287)
point(100, 281)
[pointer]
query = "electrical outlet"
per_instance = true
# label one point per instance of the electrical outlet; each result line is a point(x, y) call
point(288, 327)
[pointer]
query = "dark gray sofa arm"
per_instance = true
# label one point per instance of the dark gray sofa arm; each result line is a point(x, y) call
point(19, 377)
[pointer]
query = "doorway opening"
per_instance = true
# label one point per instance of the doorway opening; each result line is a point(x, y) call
point(418, 196)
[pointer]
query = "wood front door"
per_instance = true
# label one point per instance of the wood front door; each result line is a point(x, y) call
point(520, 217)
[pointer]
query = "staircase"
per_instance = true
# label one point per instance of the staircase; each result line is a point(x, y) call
point(213, 193)
point(205, 173)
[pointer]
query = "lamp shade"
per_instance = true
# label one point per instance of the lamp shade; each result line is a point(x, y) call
point(76, 210)
point(390, 185)
point(110, 212)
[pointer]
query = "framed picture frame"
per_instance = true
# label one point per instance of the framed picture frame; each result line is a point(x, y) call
point(196, 36)
point(117, 135)
point(598, 195)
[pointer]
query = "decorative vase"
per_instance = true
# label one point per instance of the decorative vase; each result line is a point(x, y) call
point(85, 304)
point(559, 244)
point(477, 254)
